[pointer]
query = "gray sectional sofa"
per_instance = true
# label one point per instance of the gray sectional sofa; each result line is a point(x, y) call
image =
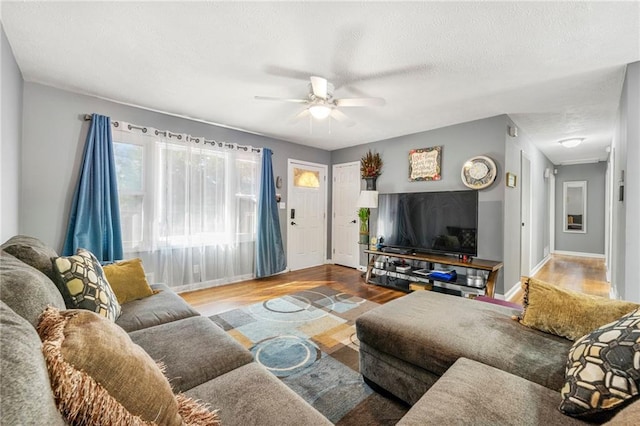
point(201, 359)
point(460, 361)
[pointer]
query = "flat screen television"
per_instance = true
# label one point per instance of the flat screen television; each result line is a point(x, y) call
point(430, 222)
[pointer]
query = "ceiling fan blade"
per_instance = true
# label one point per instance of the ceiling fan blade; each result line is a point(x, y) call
point(420, 69)
point(302, 114)
point(280, 71)
point(319, 86)
point(354, 102)
point(341, 117)
point(269, 98)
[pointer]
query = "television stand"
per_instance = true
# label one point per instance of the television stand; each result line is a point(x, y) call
point(408, 280)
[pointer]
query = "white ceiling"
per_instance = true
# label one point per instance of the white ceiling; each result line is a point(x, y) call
point(555, 67)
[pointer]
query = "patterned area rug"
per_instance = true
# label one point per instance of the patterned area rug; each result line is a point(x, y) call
point(308, 340)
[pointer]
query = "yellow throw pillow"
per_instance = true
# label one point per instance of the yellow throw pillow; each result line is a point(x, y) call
point(127, 280)
point(567, 313)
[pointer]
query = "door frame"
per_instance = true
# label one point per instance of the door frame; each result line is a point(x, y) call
point(525, 237)
point(290, 162)
point(610, 190)
point(356, 245)
point(552, 212)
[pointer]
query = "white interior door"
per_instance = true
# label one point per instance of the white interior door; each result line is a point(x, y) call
point(307, 214)
point(552, 213)
point(345, 191)
point(525, 215)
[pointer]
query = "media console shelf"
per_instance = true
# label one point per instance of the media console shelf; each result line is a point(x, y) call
point(387, 277)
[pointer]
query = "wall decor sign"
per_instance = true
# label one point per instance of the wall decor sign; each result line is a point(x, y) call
point(425, 164)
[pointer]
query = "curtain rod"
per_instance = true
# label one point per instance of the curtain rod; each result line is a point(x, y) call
point(87, 117)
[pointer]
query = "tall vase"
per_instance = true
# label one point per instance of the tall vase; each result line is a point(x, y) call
point(364, 233)
point(371, 183)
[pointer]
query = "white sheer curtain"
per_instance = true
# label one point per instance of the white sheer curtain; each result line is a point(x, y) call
point(188, 206)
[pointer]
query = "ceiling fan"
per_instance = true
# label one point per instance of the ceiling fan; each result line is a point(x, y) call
point(321, 104)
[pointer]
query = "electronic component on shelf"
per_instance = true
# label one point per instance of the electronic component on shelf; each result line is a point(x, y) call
point(444, 275)
point(395, 250)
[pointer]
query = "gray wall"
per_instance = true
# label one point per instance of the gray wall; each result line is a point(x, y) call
point(53, 140)
point(539, 221)
point(460, 142)
point(592, 242)
point(625, 249)
point(12, 85)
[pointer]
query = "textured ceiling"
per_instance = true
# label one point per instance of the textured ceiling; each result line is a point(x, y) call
point(555, 67)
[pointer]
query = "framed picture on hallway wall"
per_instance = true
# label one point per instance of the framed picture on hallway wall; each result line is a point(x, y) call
point(425, 164)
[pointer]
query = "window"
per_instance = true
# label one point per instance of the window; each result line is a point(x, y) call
point(180, 195)
point(129, 159)
point(306, 178)
point(187, 209)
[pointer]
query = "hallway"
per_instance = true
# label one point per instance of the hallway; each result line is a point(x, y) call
point(583, 274)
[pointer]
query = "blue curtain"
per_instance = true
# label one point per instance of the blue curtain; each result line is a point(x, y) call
point(269, 249)
point(94, 222)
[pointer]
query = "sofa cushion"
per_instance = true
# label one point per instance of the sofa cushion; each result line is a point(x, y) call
point(404, 380)
point(603, 368)
point(127, 280)
point(26, 397)
point(432, 330)
point(628, 416)
point(567, 313)
point(474, 393)
point(83, 285)
point(26, 290)
point(97, 372)
point(193, 350)
point(163, 307)
point(33, 252)
point(250, 395)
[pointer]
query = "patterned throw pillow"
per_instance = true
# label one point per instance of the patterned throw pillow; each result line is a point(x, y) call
point(83, 285)
point(603, 368)
point(99, 376)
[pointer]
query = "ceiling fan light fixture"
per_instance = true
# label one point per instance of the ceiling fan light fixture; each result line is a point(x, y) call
point(571, 143)
point(320, 111)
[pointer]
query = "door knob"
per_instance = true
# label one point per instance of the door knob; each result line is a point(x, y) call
point(293, 223)
point(353, 221)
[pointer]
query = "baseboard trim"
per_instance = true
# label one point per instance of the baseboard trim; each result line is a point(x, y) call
point(539, 266)
point(579, 254)
point(613, 293)
point(512, 291)
point(362, 268)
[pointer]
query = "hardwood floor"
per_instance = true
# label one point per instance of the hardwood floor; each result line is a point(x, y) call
point(220, 299)
point(582, 274)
